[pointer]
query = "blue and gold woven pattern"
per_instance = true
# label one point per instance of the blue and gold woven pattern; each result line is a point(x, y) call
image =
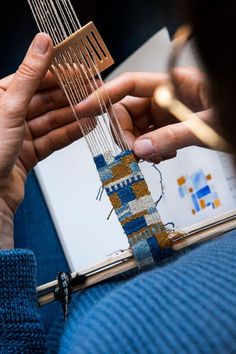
point(134, 206)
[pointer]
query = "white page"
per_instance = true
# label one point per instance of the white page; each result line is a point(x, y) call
point(151, 57)
point(189, 161)
point(70, 182)
point(228, 167)
point(172, 208)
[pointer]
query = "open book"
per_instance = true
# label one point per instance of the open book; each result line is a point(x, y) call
point(196, 186)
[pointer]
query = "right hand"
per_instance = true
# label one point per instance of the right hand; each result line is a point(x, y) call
point(151, 131)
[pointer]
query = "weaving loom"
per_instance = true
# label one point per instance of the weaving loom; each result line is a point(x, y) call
point(80, 57)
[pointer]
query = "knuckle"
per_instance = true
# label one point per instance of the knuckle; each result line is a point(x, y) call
point(71, 133)
point(2, 91)
point(48, 100)
point(51, 118)
point(12, 109)
point(27, 70)
point(127, 77)
point(155, 159)
point(172, 137)
point(169, 156)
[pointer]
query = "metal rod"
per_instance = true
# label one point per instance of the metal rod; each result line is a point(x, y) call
point(124, 261)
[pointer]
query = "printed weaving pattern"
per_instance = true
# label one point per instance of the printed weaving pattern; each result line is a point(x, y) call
point(134, 206)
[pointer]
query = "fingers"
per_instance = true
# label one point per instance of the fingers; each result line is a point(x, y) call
point(1, 92)
point(192, 88)
point(36, 148)
point(45, 101)
point(48, 81)
point(49, 98)
point(57, 139)
point(27, 79)
point(163, 143)
point(15, 100)
point(50, 121)
point(190, 81)
point(133, 116)
point(5, 82)
point(133, 84)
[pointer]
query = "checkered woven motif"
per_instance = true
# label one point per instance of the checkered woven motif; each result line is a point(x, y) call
point(134, 206)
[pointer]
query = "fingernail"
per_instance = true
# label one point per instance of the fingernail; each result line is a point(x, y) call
point(144, 147)
point(40, 44)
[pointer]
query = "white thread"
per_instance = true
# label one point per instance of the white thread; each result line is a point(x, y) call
point(57, 18)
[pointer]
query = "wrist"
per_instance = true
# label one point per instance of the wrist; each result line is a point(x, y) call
point(6, 226)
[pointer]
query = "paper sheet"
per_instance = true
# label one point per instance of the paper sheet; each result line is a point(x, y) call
point(70, 182)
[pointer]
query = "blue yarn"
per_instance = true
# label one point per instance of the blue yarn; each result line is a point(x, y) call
point(100, 161)
point(20, 328)
point(134, 225)
point(126, 195)
point(139, 219)
point(158, 253)
point(119, 186)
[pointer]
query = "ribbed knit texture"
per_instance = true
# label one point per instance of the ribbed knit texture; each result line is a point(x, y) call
point(20, 329)
point(187, 305)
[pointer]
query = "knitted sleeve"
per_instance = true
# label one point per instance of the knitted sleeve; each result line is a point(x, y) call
point(187, 305)
point(20, 329)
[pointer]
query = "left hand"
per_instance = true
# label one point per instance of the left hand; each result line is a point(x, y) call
point(35, 120)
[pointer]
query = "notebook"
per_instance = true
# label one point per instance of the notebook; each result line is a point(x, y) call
point(197, 185)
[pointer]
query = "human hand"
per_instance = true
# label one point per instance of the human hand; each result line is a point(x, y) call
point(35, 120)
point(151, 131)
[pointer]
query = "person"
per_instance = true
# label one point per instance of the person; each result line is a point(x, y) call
point(185, 305)
point(50, 125)
point(33, 216)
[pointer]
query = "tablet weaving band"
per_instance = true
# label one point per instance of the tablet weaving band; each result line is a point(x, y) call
point(134, 206)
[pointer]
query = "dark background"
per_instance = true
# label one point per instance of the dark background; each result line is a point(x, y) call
point(124, 25)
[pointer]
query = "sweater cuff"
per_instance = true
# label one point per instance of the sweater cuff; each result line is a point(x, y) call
point(19, 317)
point(18, 277)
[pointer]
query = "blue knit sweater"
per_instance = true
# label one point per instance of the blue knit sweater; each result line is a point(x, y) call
point(186, 305)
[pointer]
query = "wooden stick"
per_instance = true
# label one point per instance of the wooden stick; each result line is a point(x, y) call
point(206, 230)
point(197, 126)
point(117, 262)
point(85, 46)
point(124, 261)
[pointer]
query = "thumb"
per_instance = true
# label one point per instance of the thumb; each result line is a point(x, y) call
point(163, 143)
point(27, 78)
